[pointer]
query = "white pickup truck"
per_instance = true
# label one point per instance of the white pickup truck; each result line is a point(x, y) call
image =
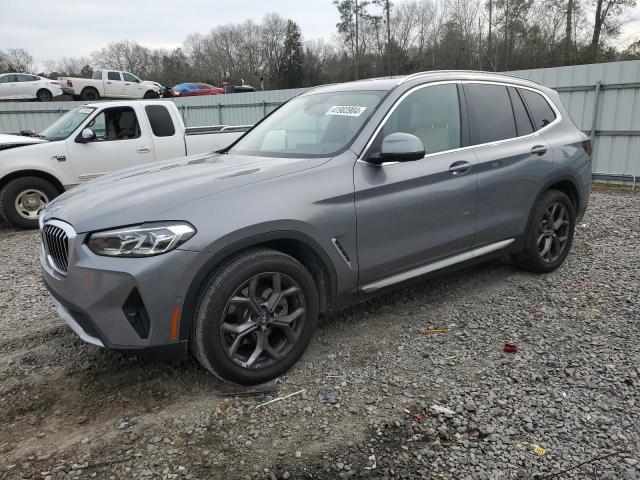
point(90, 141)
point(108, 84)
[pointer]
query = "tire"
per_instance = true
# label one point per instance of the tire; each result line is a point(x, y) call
point(218, 309)
point(547, 243)
point(43, 95)
point(90, 94)
point(150, 94)
point(30, 193)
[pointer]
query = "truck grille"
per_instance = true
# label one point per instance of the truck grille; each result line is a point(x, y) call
point(56, 245)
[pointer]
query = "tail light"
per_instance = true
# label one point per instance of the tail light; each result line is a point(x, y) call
point(69, 83)
point(54, 82)
point(586, 144)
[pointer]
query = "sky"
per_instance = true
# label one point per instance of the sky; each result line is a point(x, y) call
point(51, 29)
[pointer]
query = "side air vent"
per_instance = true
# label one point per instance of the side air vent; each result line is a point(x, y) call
point(341, 251)
point(136, 313)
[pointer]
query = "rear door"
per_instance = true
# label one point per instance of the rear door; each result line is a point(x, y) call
point(513, 160)
point(168, 140)
point(8, 86)
point(26, 86)
point(414, 213)
point(114, 86)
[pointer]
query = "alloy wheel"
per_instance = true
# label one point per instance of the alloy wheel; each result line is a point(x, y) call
point(553, 232)
point(263, 320)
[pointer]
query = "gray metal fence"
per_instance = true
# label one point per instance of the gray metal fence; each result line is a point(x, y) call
point(603, 100)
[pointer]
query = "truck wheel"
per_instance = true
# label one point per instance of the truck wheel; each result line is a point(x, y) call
point(549, 233)
point(22, 200)
point(90, 94)
point(255, 317)
point(44, 95)
point(151, 94)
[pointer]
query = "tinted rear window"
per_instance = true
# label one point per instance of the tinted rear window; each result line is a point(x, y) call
point(97, 75)
point(523, 123)
point(490, 113)
point(540, 110)
point(160, 120)
point(113, 75)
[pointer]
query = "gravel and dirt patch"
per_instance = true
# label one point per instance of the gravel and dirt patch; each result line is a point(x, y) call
point(566, 405)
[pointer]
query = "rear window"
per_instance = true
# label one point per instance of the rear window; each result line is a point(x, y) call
point(113, 76)
point(539, 108)
point(160, 120)
point(97, 75)
point(490, 113)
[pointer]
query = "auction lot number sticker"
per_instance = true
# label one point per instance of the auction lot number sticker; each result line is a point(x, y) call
point(346, 110)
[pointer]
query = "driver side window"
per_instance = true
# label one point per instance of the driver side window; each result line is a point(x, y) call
point(430, 113)
point(129, 78)
point(115, 124)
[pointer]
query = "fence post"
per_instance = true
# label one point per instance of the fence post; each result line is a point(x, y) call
point(264, 108)
point(220, 114)
point(594, 119)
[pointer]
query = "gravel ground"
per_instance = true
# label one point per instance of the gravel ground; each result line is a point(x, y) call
point(566, 405)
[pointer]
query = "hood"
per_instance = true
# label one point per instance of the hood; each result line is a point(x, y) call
point(145, 193)
point(12, 141)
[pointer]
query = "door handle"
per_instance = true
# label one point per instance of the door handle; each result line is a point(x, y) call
point(539, 150)
point(143, 150)
point(109, 83)
point(459, 168)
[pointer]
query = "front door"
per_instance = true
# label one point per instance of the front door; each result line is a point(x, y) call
point(413, 213)
point(119, 143)
point(133, 87)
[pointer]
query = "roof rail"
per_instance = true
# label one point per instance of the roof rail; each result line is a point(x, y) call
point(431, 72)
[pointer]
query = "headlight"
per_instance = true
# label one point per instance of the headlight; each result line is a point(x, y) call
point(142, 240)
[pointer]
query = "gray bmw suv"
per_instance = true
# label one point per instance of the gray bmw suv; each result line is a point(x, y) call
point(344, 192)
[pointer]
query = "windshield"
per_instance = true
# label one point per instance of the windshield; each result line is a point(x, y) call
point(319, 125)
point(66, 124)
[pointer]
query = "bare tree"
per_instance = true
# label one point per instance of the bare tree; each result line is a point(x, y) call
point(607, 17)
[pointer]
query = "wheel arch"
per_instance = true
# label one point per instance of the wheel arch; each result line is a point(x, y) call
point(90, 87)
point(566, 185)
point(296, 244)
point(33, 173)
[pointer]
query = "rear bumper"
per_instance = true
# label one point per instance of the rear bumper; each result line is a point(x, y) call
point(68, 91)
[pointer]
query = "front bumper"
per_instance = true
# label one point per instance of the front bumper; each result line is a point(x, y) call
point(94, 298)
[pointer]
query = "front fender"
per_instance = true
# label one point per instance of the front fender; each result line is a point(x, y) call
point(38, 158)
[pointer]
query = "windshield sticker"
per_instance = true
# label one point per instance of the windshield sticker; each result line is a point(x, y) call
point(346, 110)
point(86, 110)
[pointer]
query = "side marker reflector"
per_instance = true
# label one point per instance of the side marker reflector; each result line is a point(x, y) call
point(175, 320)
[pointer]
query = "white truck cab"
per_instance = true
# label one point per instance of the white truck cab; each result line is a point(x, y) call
point(89, 141)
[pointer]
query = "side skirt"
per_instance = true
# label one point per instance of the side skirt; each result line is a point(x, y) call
point(431, 267)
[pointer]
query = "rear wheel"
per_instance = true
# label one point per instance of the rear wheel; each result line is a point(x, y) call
point(44, 95)
point(549, 233)
point(255, 317)
point(22, 200)
point(90, 94)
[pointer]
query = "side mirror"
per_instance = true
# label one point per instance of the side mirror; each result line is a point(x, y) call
point(399, 147)
point(87, 135)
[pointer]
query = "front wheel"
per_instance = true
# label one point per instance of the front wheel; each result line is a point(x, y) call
point(150, 94)
point(22, 200)
point(255, 317)
point(549, 233)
